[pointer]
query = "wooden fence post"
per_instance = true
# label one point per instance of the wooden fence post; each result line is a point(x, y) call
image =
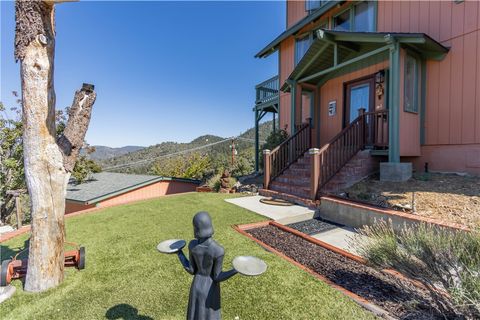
point(314, 172)
point(266, 168)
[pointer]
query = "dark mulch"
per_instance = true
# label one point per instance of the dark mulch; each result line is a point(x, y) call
point(399, 297)
point(312, 226)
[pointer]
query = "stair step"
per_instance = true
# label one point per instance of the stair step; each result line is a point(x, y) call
point(296, 180)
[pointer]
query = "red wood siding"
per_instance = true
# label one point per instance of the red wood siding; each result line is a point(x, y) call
point(452, 120)
point(154, 190)
point(333, 90)
point(295, 11)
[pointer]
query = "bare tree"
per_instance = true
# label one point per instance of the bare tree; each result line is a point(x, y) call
point(48, 160)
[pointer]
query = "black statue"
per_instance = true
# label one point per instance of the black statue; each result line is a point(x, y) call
point(206, 261)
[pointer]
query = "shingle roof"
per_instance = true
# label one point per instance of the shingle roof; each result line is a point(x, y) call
point(108, 184)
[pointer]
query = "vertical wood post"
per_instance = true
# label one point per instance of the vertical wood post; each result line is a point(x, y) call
point(266, 168)
point(363, 123)
point(314, 172)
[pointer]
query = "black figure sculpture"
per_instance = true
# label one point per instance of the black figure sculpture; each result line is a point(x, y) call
point(205, 263)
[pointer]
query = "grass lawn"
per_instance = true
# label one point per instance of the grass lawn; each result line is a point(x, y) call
point(126, 278)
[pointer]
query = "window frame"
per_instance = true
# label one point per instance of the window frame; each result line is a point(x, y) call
point(416, 83)
point(352, 8)
point(321, 4)
point(302, 36)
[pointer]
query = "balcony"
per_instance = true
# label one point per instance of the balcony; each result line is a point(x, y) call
point(267, 95)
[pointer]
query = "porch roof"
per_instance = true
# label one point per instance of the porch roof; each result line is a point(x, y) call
point(334, 50)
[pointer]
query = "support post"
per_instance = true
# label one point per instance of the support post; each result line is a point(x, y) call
point(361, 112)
point(266, 168)
point(394, 103)
point(314, 172)
point(293, 109)
point(257, 146)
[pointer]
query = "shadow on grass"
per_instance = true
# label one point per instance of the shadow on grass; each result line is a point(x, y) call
point(7, 252)
point(126, 312)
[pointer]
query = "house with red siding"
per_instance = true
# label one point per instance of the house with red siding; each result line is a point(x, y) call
point(106, 189)
point(372, 85)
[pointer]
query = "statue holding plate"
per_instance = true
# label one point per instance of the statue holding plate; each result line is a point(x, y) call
point(205, 264)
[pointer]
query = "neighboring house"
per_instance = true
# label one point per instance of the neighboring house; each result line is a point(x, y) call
point(400, 79)
point(106, 189)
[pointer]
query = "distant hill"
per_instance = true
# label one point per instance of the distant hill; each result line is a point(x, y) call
point(143, 156)
point(104, 152)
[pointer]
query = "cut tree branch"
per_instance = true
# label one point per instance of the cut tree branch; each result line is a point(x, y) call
point(71, 141)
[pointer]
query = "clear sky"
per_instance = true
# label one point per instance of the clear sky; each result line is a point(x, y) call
point(163, 71)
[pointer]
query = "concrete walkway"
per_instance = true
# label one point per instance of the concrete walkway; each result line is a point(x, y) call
point(341, 237)
point(271, 211)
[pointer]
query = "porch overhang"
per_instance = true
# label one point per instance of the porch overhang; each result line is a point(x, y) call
point(332, 51)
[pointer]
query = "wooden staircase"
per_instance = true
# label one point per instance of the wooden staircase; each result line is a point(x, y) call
point(295, 174)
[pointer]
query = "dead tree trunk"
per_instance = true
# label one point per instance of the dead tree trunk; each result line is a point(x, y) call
point(47, 163)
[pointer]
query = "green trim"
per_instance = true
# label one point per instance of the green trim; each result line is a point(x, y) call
point(394, 108)
point(273, 46)
point(423, 99)
point(315, 57)
point(345, 63)
point(293, 107)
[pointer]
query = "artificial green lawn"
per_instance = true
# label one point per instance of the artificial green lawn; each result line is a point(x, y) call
point(125, 274)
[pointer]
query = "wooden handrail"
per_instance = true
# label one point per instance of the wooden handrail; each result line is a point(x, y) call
point(289, 151)
point(367, 129)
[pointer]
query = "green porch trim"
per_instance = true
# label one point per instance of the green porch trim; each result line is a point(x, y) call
point(311, 18)
point(345, 63)
point(293, 107)
point(394, 103)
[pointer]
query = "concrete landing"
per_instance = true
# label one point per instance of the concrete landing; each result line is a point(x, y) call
point(289, 213)
point(341, 237)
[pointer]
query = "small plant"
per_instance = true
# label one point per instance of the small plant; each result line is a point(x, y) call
point(214, 182)
point(446, 262)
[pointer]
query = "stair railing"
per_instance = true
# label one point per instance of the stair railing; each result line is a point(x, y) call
point(280, 158)
point(370, 128)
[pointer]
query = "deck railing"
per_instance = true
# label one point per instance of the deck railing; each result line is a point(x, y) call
point(267, 91)
point(280, 158)
point(368, 129)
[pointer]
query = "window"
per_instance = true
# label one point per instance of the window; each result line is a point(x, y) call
point(312, 5)
point(364, 18)
point(410, 86)
point(360, 17)
point(301, 47)
point(342, 21)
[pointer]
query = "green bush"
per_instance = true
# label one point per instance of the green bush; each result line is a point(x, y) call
point(214, 182)
point(273, 140)
point(446, 262)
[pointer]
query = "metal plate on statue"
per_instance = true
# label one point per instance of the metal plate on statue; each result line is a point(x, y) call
point(249, 266)
point(171, 246)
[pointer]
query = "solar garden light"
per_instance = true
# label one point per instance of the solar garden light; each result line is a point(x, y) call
point(205, 264)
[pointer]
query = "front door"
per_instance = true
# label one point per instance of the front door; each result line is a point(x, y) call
point(360, 95)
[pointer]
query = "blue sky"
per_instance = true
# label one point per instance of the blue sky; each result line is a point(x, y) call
point(163, 71)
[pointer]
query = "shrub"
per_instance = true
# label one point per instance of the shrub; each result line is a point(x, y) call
point(273, 140)
point(214, 182)
point(446, 262)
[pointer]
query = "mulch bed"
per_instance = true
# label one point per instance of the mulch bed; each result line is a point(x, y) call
point(312, 226)
point(399, 297)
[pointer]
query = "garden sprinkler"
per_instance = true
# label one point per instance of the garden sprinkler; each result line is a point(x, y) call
point(205, 264)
